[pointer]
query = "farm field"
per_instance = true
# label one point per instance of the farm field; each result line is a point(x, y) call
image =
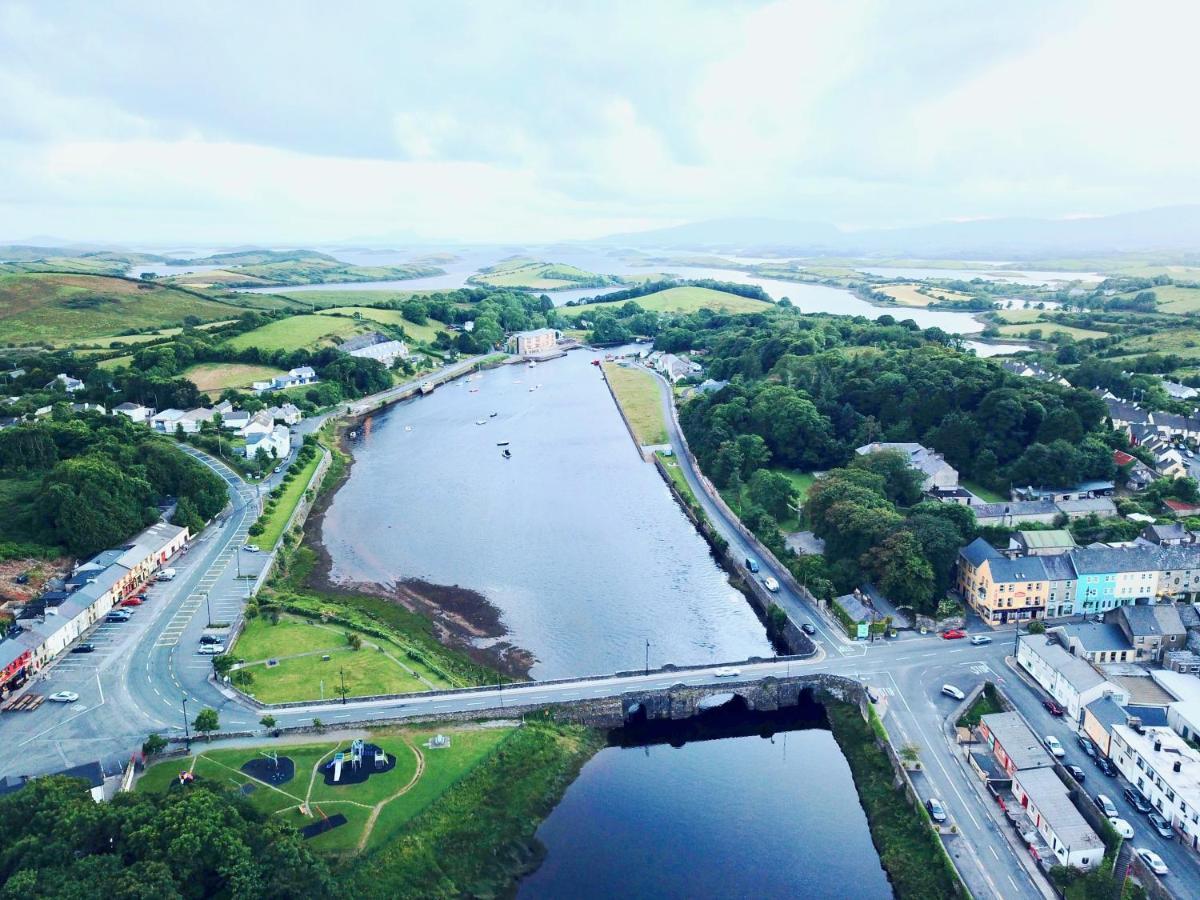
point(1048, 328)
point(1174, 299)
point(908, 295)
point(1183, 341)
point(303, 332)
point(681, 300)
point(426, 333)
point(1019, 315)
point(215, 377)
point(62, 309)
point(376, 809)
point(641, 401)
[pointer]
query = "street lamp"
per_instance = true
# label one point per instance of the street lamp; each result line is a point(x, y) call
point(208, 606)
point(187, 735)
point(342, 675)
point(647, 657)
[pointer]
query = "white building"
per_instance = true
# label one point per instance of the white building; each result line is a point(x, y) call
point(134, 411)
point(288, 414)
point(1048, 804)
point(191, 420)
point(276, 443)
point(235, 420)
point(1183, 714)
point(386, 352)
point(532, 343)
point(165, 420)
point(259, 423)
point(69, 384)
point(1165, 768)
point(938, 473)
point(1071, 681)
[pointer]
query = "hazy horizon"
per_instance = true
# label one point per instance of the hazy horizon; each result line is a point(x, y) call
point(296, 124)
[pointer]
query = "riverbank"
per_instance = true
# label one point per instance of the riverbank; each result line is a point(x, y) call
point(911, 853)
point(639, 401)
point(478, 839)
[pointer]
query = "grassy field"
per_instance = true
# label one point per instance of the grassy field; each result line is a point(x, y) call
point(217, 376)
point(303, 674)
point(300, 333)
point(801, 481)
point(536, 275)
point(1018, 316)
point(981, 492)
point(425, 333)
point(908, 295)
point(79, 308)
point(1047, 329)
point(376, 810)
point(317, 269)
point(275, 522)
point(1174, 299)
point(681, 300)
point(1182, 341)
point(116, 362)
point(641, 401)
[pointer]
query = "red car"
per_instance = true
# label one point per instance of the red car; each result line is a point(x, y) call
point(132, 601)
point(1053, 708)
point(953, 634)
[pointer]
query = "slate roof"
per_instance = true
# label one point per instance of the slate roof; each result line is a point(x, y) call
point(1170, 532)
point(1045, 540)
point(1059, 567)
point(1087, 505)
point(1101, 561)
point(1016, 508)
point(1095, 636)
point(1108, 712)
point(977, 551)
point(1081, 676)
point(1029, 568)
point(1140, 619)
point(1020, 744)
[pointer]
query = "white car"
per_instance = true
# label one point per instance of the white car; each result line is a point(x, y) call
point(1124, 829)
point(1153, 861)
point(63, 697)
point(727, 673)
point(251, 548)
point(951, 691)
point(1106, 806)
point(771, 584)
point(211, 649)
point(979, 640)
point(1055, 746)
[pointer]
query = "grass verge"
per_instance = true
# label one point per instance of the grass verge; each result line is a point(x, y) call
point(638, 396)
point(277, 514)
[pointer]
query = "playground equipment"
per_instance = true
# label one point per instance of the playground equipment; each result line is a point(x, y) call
point(354, 758)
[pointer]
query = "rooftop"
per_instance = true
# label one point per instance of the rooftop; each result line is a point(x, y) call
point(1172, 749)
point(1076, 671)
point(977, 551)
point(1108, 712)
point(1020, 744)
point(1095, 636)
point(1048, 793)
point(1179, 685)
point(1046, 540)
point(1018, 509)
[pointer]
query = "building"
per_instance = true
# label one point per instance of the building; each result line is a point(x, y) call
point(1182, 508)
point(1016, 512)
point(1043, 543)
point(294, 378)
point(235, 419)
point(1060, 591)
point(534, 343)
point(191, 421)
point(1166, 769)
point(1083, 491)
point(1183, 712)
point(1048, 804)
point(674, 368)
point(1099, 717)
point(276, 443)
point(165, 420)
point(1177, 391)
point(1002, 589)
point(1097, 642)
point(135, 411)
point(1171, 534)
point(1138, 475)
point(1100, 507)
point(259, 423)
point(66, 382)
point(288, 414)
point(1150, 629)
point(938, 473)
point(1013, 744)
point(1070, 680)
point(1107, 577)
point(375, 346)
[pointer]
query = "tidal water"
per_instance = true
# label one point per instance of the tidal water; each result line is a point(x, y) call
point(575, 539)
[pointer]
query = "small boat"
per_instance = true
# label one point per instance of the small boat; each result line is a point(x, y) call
point(532, 363)
point(426, 387)
point(492, 415)
point(481, 421)
point(501, 443)
point(474, 390)
point(507, 454)
point(408, 428)
point(595, 362)
point(532, 389)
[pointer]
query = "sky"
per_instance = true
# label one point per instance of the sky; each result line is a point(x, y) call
point(298, 122)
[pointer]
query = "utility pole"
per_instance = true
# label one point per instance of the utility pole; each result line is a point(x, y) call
point(208, 605)
point(187, 735)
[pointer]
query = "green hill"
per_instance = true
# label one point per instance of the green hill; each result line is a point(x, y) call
point(309, 269)
point(532, 274)
point(679, 300)
point(61, 309)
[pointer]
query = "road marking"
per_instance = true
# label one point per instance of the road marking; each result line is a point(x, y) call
point(994, 853)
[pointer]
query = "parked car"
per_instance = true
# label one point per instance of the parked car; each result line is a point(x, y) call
point(118, 615)
point(1124, 829)
point(1053, 708)
point(209, 639)
point(1105, 765)
point(771, 584)
point(277, 469)
point(951, 691)
point(1153, 861)
point(211, 649)
point(1076, 773)
point(1106, 806)
point(131, 601)
point(251, 548)
point(937, 812)
point(23, 578)
point(1054, 746)
point(84, 648)
point(1138, 800)
point(167, 575)
point(1088, 747)
point(953, 634)
point(63, 697)
point(752, 564)
point(979, 640)
point(727, 672)
point(1160, 824)
point(808, 628)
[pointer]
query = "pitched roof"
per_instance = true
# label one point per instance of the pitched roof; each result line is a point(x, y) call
point(1140, 619)
point(1094, 636)
point(977, 551)
point(1045, 540)
point(1020, 744)
point(1018, 509)
point(1059, 567)
point(1077, 672)
point(1106, 560)
point(1028, 568)
point(1048, 794)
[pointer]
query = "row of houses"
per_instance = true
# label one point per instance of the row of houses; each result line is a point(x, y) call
point(265, 431)
point(47, 626)
point(1041, 791)
point(293, 378)
point(1064, 581)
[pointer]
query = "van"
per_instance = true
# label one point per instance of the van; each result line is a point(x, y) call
point(771, 584)
point(752, 564)
point(166, 575)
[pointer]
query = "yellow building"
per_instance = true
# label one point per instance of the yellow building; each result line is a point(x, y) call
point(1002, 589)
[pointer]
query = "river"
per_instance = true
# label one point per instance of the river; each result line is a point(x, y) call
point(734, 817)
point(575, 539)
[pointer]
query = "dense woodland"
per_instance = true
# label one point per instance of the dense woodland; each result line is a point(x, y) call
point(97, 479)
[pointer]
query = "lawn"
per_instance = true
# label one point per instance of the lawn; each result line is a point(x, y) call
point(217, 376)
point(303, 332)
point(682, 300)
point(426, 333)
point(276, 521)
point(677, 477)
point(1182, 341)
point(985, 704)
point(801, 481)
point(1019, 315)
point(290, 635)
point(366, 672)
point(1023, 330)
point(641, 401)
point(61, 309)
point(981, 492)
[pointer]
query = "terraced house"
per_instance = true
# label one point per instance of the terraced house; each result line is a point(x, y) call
point(1002, 589)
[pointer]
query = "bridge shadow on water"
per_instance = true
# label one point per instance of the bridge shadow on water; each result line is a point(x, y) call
point(725, 716)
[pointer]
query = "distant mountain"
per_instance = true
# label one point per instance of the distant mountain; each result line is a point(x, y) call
point(1172, 228)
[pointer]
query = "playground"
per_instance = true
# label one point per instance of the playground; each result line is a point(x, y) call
point(344, 795)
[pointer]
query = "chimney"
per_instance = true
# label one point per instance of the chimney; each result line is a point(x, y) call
point(1157, 745)
point(1178, 765)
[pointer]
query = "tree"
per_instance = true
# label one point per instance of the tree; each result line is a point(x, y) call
point(1037, 627)
point(354, 640)
point(902, 483)
point(773, 492)
point(155, 743)
point(186, 516)
point(267, 721)
point(207, 721)
point(902, 571)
